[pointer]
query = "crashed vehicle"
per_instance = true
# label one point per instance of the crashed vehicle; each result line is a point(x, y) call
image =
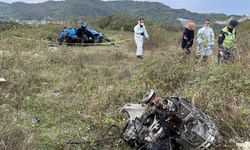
point(69, 36)
point(168, 123)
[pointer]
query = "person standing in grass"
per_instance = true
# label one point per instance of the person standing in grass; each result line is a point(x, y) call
point(140, 33)
point(205, 39)
point(188, 37)
point(227, 41)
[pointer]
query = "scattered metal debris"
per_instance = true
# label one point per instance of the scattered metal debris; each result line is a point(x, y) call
point(2, 80)
point(168, 123)
point(243, 146)
point(52, 48)
point(56, 93)
point(35, 121)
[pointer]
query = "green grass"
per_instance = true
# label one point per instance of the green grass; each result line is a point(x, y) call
point(95, 82)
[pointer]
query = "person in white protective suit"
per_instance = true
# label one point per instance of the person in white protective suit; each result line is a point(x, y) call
point(140, 33)
point(205, 39)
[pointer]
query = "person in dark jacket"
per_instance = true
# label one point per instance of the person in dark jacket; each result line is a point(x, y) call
point(188, 37)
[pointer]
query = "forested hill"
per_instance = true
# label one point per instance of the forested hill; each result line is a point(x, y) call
point(70, 9)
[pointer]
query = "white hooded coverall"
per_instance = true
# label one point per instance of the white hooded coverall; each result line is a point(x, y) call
point(205, 38)
point(139, 38)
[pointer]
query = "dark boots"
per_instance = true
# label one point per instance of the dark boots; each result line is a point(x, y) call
point(139, 57)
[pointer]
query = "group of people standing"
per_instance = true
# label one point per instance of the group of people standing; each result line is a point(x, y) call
point(205, 39)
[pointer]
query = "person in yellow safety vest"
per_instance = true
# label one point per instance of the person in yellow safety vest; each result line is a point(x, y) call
point(205, 39)
point(227, 39)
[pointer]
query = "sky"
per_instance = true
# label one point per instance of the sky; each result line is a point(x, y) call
point(240, 7)
point(26, 1)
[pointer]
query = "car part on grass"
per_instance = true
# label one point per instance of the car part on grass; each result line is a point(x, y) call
point(2, 80)
point(183, 127)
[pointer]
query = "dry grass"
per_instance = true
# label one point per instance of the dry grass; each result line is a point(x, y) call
point(94, 82)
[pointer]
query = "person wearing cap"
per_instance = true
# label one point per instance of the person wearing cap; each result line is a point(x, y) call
point(140, 33)
point(227, 40)
point(188, 37)
point(205, 39)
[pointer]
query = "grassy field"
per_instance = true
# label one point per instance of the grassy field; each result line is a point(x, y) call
point(75, 93)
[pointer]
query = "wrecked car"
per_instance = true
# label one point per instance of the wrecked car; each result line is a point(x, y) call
point(168, 123)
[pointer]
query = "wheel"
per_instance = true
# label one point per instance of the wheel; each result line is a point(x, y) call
point(148, 96)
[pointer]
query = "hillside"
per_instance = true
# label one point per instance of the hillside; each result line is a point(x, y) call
point(74, 93)
point(65, 10)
